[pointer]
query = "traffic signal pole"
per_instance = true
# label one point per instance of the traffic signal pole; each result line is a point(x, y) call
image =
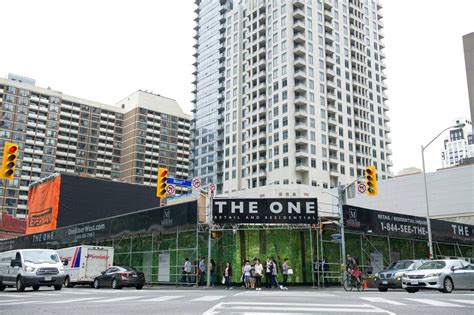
point(209, 239)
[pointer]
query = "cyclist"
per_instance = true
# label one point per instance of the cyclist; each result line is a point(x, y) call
point(353, 268)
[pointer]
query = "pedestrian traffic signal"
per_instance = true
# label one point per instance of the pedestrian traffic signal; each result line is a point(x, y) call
point(371, 180)
point(10, 155)
point(162, 183)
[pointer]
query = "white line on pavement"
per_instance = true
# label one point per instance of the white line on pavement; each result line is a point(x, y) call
point(21, 302)
point(285, 294)
point(119, 299)
point(464, 301)
point(208, 298)
point(163, 298)
point(381, 300)
point(435, 303)
point(72, 301)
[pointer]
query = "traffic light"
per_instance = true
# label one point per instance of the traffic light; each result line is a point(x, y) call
point(162, 183)
point(10, 155)
point(371, 179)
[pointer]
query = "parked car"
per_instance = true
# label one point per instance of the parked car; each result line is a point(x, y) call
point(35, 268)
point(85, 263)
point(444, 275)
point(118, 277)
point(391, 277)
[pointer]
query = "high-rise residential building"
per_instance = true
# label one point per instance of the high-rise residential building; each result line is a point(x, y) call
point(304, 94)
point(468, 43)
point(62, 133)
point(207, 127)
point(459, 144)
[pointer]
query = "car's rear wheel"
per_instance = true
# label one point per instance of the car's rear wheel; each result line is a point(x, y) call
point(20, 287)
point(96, 284)
point(448, 285)
point(36, 287)
point(58, 287)
point(411, 290)
point(382, 289)
point(139, 287)
point(115, 284)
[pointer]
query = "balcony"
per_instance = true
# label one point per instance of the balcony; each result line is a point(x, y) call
point(300, 88)
point(301, 153)
point(298, 14)
point(302, 167)
point(301, 126)
point(301, 112)
point(299, 26)
point(300, 75)
point(302, 139)
point(299, 38)
point(299, 50)
point(300, 62)
point(300, 100)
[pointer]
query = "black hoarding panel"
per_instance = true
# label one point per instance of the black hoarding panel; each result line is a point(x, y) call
point(155, 220)
point(389, 223)
point(85, 199)
point(266, 210)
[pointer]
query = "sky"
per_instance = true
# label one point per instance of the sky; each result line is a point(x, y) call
point(105, 50)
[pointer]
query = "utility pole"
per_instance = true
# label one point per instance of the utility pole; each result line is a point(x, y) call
point(209, 238)
point(341, 193)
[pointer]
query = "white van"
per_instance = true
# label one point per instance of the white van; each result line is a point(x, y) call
point(85, 263)
point(23, 268)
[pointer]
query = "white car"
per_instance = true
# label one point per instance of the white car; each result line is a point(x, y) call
point(443, 275)
point(23, 268)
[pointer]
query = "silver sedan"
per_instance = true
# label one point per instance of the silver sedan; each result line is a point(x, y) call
point(443, 275)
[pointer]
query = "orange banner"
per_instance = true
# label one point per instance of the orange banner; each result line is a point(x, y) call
point(43, 203)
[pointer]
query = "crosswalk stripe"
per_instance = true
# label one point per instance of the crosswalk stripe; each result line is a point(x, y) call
point(125, 298)
point(6, 301)
point(208, 298)
point(464, 301)
point(286, 294)
point(74, 292)
point(162, 298)
point(71, 301)
point(381, 300)
point(435, 303)
point(20, 302)
point(288, 308)
point(14, 295)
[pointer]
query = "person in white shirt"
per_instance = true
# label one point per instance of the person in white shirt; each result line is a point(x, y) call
point(186, 271)
point(246, 272)
point(258, 275)
point(202, 271)
point(284, 270)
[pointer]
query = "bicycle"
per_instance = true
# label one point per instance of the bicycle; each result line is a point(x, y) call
point(350, 282)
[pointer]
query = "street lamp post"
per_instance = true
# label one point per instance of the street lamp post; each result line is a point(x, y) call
point(428, 223)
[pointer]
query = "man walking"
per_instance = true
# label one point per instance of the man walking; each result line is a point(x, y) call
point(202, 271)
point(186, 271)
point(268, 273)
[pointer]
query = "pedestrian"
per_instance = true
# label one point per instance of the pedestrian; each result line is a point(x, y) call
point(284, 270)
point(186, 271)
point(268, 273)
point(325, 267)
point(202, 271)
point(246, 274)
point(194, 272)
point(252, 274)
point(227, 275)
point(212, 270)
point(274, 275)
point(258, 275)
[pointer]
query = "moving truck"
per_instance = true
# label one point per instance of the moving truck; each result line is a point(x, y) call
point(85, 263)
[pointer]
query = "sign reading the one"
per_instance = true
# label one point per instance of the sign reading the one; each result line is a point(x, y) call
point(265, 210)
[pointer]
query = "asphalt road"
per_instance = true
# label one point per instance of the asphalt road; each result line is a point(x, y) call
point(173, 300)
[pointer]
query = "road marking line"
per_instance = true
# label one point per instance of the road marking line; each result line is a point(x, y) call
point(381, 300)
point(163, 298)
point(464, 301)
point(435, 303)
point(73, 292)
point(286, 294)
point(73, 300)
point(14, 295)
point(208, 298)
point(6, 301)
point(21, 302)
point(119, 299)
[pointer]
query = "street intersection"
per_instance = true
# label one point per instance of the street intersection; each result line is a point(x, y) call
point(172, 300)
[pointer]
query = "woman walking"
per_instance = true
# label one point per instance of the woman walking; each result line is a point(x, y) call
point(258, 275)
point(284, 269)
point(246, 274)
point(227, 275)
